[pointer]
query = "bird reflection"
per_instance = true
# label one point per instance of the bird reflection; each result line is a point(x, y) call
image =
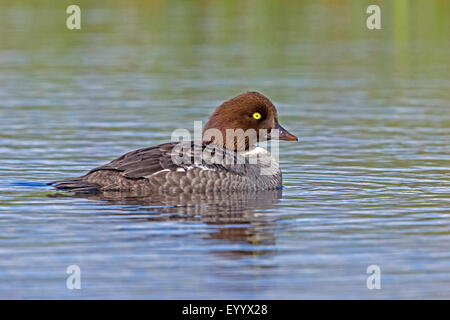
point(237, 217)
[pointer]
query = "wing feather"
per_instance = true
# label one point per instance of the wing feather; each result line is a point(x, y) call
point(145, 162)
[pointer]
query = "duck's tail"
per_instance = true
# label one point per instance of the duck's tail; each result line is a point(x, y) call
point(77, 185)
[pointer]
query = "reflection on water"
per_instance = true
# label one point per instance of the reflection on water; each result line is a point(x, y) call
point(368, 183)
point(236, 213)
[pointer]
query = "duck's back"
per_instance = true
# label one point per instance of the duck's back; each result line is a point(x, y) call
point(174, 168)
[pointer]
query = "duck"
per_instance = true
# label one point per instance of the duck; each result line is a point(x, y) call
point(225, 159)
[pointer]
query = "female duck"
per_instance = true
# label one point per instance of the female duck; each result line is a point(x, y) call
point(225, 160)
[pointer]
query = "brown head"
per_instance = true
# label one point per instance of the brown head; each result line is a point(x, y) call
point(251, 112)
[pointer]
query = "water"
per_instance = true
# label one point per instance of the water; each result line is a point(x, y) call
point(368, 183)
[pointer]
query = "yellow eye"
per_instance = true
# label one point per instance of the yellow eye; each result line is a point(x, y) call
point(257, 115)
